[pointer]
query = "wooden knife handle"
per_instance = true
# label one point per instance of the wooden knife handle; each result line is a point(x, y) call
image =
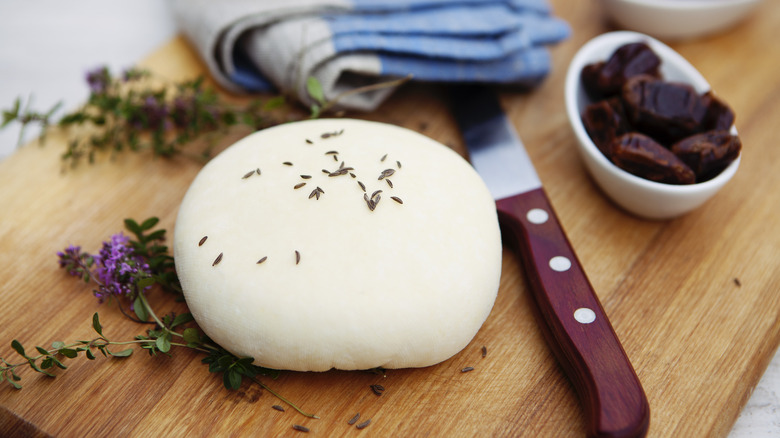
point(576, 326)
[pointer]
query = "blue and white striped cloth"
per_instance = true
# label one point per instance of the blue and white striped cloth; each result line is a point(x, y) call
point(263, 45)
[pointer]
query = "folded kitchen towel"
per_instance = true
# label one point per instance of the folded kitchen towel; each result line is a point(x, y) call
point(264, 45)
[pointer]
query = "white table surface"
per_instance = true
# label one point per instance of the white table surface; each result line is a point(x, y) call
point(48, 45)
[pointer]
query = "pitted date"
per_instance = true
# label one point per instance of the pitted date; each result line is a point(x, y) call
point(605, 79)
point(642, 156)
point(719, 116)
point(658, 130)
point(604, 121)
point(709, 153)
point(666, 111)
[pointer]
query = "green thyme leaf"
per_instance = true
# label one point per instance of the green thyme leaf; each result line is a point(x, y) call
point(133, 226)
point(38, 369)
point(67, 352)
point(14, 384)
point(157, 235)
point(232, 379)
point(164, 343)
point(96, 324)
point(274, 102)
point(42, 350)
point(58, 363)
point(314, 88)
point(47, 363)
point(191, 336)
point(315, 111)
point(12, 114)
point(123, 353)
point(145, 282)
point(18, 348)
point(140, 309)
point(182, 318)
point(148, 224)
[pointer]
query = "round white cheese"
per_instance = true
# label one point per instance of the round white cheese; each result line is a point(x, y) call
point(339, 243)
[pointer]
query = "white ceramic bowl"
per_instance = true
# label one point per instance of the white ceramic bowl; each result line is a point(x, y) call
point(639, 196)
point(678, 19)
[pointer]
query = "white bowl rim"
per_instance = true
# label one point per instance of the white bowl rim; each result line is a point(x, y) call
point(613, 40)
point(689, 5)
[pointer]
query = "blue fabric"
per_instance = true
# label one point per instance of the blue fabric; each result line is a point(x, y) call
point(247, 76)
point(481, 42)
point(494, 18)
point(526, 68)
point(400, 5)
point(498, 41)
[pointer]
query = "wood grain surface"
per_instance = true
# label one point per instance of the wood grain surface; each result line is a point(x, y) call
point(694, 300)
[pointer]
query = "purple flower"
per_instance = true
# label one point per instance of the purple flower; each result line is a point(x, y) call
point(74, 261)
point(182, 111)
point(98, 80)
point(119, 269)
point(152, 113)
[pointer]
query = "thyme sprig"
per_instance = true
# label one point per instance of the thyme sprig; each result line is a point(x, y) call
point(140, 111)
point(126, 270)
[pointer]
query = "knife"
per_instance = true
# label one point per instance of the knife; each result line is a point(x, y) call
point(574, 322)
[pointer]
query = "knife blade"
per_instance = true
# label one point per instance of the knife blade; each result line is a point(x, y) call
point(574, 322)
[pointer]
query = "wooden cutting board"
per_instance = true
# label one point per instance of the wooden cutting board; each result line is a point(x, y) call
point(694, 300)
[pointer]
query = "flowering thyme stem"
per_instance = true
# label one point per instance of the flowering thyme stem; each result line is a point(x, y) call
point(145, 303)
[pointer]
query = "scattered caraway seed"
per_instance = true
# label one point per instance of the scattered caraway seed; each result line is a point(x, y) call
point(306, 176)
point(316, 193)
point(377, 389)
point(364, 424)
point(309, 141)
point(203, 240)
point(379, 371)
point(278, 408)
point(352, 175)
point(484, 351)
point(362, 186)
point(331, 134)
point(467, 369)
point(398, 163)
point(217, 260)
point(326, 171)
point(287, 163)
point(332, 153)
point(390, 183)
point(299, 185)
point(737, 282)
point(371, 204)
point(297, 257)
point(335, 158)
point(262, 259)
point(386, 173)
point(248, 174)
point(300, 428)
point(383, 158)
point(354, 419)
point(397, 199)
point(258, 171)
